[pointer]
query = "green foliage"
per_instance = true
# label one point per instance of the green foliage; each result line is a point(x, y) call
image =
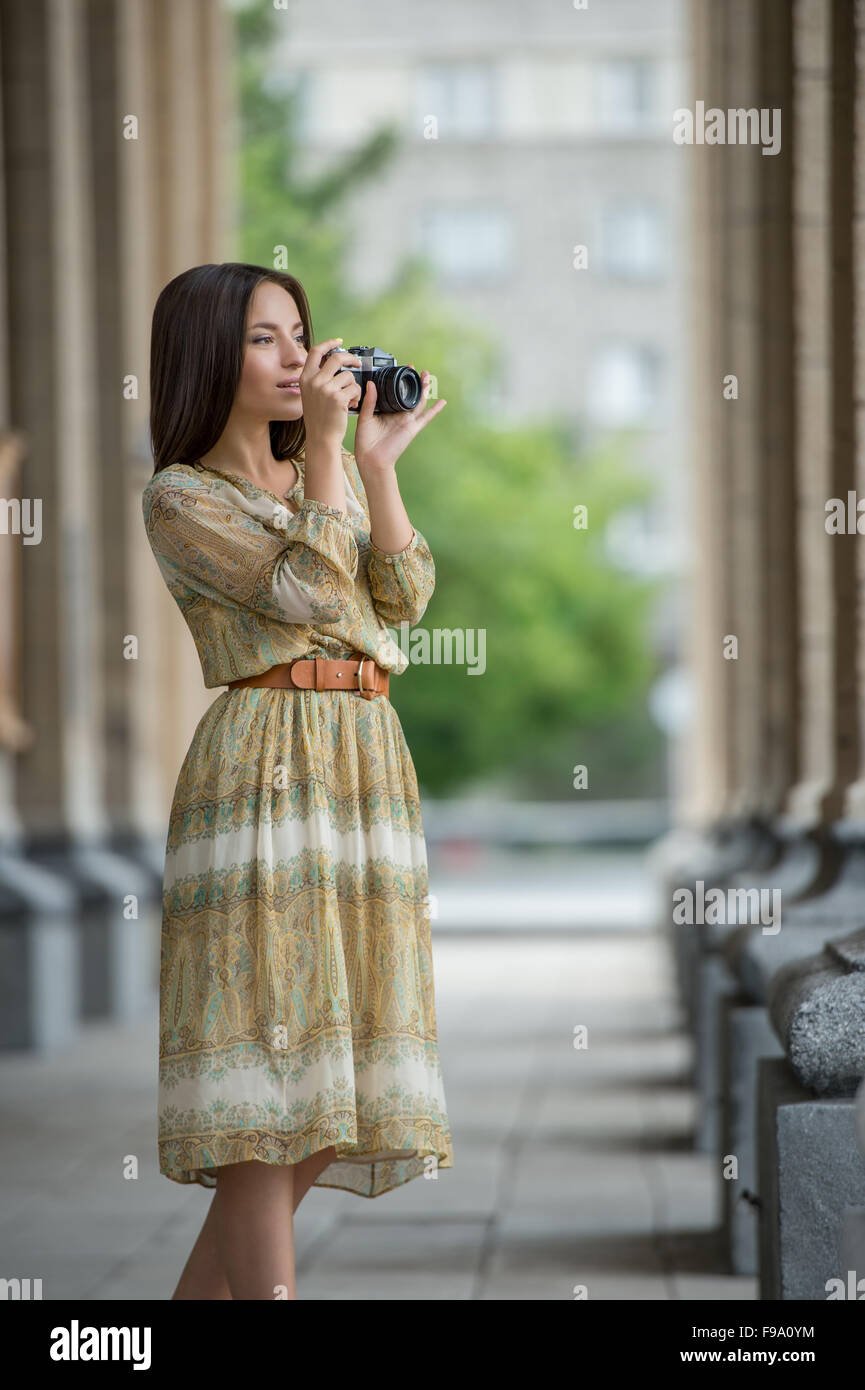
point(567, 656)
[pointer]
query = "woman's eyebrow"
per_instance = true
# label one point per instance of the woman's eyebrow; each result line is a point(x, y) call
point(273, 325)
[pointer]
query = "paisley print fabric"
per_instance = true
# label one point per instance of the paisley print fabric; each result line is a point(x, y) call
point(259, 585)
point(297, 1000)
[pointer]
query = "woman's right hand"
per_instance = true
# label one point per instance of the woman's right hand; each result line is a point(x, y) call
point(327, 392)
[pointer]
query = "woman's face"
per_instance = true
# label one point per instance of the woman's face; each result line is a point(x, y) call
point(274, 353)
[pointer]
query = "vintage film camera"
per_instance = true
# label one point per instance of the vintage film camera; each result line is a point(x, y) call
point(397, 388)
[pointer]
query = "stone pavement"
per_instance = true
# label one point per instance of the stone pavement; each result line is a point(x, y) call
point(572, 1166)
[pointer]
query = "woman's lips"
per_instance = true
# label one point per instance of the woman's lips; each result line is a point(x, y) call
point(295, 389)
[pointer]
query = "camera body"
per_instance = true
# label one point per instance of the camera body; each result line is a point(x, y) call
point(396, 388)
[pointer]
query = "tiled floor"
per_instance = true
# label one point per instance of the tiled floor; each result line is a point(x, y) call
point(573, 1165)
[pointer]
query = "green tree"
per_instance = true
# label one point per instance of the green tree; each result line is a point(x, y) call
point(567, 660)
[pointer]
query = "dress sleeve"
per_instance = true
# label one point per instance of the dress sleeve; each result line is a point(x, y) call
point(401, 584)
point(205, 542)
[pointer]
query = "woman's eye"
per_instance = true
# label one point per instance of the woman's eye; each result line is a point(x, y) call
point(268, 338)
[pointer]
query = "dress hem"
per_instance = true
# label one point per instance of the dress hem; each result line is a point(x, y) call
point(389, 1180)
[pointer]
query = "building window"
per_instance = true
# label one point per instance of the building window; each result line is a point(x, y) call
point(460, 96)
point(625, 385)
point(467, 245)
point(625, 94)
point(632, 242)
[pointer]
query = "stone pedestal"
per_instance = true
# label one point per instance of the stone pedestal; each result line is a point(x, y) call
point(718, 975)
point(116, 951)
point(746, 1036)
point(810, 1170)
point(40, 960)
point(731, 848)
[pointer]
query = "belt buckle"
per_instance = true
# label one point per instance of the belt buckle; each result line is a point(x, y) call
point(367, 694)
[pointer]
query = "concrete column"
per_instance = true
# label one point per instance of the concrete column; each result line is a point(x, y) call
point(156, 77)
point(740, 420)
point(855, 804)
point(50, 236)
point(779, 733)
point(182, 150)
point(822, 191)
point(15, 733)
point(105, 129)
point(710, 794)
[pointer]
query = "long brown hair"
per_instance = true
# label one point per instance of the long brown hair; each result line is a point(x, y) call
point(196, 358)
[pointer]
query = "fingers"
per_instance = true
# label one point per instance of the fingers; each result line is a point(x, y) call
point(419, 412)
point(369, 396)
point(317, 352)
point(427, 415)
point(426, 387)
point(350, 387)
point(340, 357)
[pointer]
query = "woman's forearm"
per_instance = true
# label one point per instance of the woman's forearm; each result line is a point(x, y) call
point(324, 479)
point(390, 528)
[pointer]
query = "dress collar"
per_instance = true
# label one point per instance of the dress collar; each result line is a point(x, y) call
point(248, 483)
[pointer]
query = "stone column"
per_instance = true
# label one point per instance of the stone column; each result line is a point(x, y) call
point(121, 270)
point(158, 116)
point(779, 732)
point(711, 793)
point(855, 804)
point(49, 238)
point(740, 419)
point(15, 733)
point(823, 143)
point(182, 156)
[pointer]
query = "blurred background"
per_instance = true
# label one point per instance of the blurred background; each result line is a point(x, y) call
point(493, 192)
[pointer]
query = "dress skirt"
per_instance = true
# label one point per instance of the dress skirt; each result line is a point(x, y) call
point(297, 1001)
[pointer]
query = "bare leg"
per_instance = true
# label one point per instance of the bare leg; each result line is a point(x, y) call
point(255, 1229)
point(205, 1275)
point(306, 1172)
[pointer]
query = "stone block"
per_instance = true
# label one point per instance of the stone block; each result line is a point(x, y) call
point(810, 1170)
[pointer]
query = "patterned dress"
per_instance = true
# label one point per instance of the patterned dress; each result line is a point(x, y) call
point(297, 1004)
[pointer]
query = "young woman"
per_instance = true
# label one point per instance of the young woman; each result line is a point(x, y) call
point(298, 1041)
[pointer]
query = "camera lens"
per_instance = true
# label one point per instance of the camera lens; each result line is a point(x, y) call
point(400, 388)
point(406, 392)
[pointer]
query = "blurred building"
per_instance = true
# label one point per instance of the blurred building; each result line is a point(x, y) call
point(527, 133)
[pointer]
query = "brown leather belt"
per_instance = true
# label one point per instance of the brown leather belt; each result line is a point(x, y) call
point(360, 674)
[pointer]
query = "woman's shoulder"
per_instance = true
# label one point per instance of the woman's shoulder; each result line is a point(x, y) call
point(175, 472)
point(173, 475)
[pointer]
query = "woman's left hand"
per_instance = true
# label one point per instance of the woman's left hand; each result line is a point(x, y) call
point(380, 439)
